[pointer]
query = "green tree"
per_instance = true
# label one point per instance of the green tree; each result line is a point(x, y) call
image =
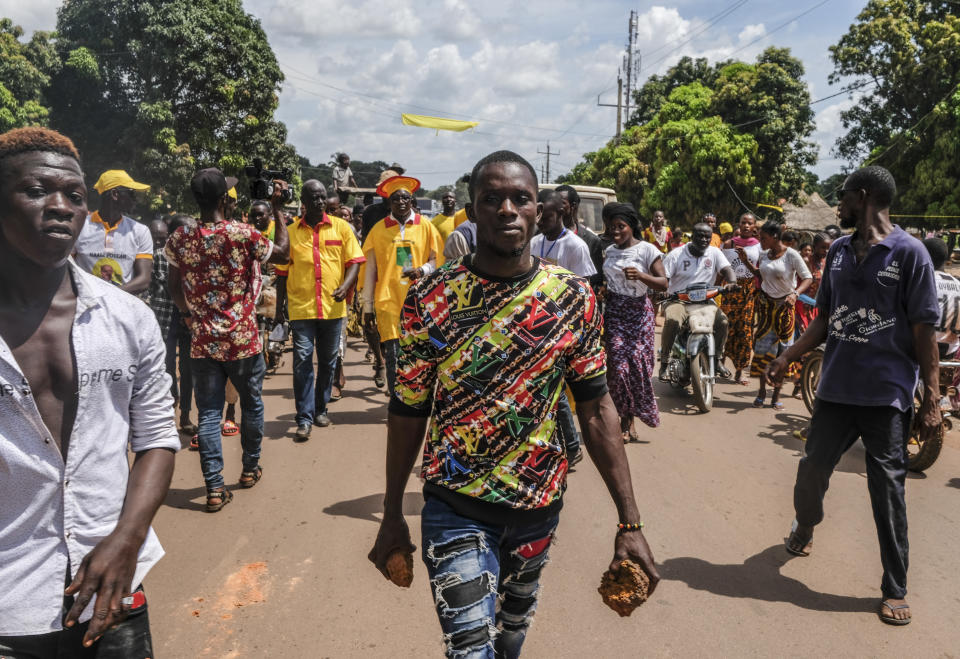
point(25, 70)
point(744, 133)
point(905, 54)
point(162, 88)
point(653, 94)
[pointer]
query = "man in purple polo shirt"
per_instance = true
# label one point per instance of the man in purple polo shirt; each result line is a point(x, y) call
point(878, 310)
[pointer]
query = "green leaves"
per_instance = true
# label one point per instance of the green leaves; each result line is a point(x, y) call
point(25, 70)
point(908, 52)
point(161, 88)
point(735, 124)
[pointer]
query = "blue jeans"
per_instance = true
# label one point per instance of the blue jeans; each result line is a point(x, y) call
point(209, 380)
point(177, 342)
point(313, 394)
point(473, 566)
point(568, 431)
point(390, 349)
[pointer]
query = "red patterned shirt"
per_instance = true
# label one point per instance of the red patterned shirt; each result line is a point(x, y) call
point(220, 267)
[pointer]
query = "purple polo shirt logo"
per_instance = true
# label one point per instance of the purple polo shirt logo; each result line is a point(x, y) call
point(889, 276)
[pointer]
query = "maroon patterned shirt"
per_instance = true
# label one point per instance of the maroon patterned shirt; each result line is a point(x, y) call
point(220, 267)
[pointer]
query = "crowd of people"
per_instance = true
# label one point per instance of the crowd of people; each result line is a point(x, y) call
point(482, 324)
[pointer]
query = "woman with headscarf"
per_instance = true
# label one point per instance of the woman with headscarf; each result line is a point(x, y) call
point(632, 267)
point(743, 252)
point(780, 269)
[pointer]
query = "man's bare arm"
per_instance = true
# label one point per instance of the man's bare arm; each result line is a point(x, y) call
point(175, 287)
point(601, 433)
point(928, 356)
point(281, 240)
point(142, 272)
point(404, 442)
point(815, 335)
point(108, 570)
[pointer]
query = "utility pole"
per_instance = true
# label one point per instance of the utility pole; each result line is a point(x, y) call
point(631, 61)
point(543, 177)
point(548, 153)
point(619, 105)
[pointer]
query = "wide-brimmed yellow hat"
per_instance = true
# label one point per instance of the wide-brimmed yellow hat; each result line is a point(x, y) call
point(395, 183)
point(117, 178)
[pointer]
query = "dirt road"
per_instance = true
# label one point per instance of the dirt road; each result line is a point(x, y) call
point(282, 571)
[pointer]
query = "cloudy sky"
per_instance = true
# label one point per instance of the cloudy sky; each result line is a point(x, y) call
point(529, 72)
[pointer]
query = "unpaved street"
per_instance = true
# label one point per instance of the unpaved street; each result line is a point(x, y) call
point(282, 571)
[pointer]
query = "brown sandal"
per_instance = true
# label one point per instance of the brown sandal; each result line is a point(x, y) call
point(217, 499)
point(250, 478)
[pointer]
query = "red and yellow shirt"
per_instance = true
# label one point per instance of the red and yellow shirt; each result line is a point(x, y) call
point(319, 257)
point(395, 247)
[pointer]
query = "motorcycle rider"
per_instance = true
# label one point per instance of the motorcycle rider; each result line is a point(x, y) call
point(697, 262)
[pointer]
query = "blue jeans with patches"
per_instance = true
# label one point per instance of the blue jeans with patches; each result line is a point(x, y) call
point(485, 579)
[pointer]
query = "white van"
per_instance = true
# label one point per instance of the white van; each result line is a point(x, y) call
point(592, 201)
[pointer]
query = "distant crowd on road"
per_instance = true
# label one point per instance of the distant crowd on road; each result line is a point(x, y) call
point(487, 326)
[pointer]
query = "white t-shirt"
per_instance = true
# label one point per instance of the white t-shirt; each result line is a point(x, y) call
point(739, 269)
point(948, 293)
point(684, 269)
point(110, 253)
point(641, 256)
point(568, 251)
point(778, 277)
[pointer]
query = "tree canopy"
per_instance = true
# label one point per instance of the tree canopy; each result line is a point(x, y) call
point(736, 129)
point(25, 70)
point(904, 55)
point(164, 88)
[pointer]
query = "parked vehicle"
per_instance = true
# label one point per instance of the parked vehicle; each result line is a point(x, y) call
point(592, 201)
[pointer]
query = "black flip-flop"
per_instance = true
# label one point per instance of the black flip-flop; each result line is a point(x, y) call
point(899, 622)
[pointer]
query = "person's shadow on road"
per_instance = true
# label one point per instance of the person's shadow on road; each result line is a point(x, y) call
point(365, 507)
point(759, 578)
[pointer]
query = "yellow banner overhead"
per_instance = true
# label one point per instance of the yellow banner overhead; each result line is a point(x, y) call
point(437, 123)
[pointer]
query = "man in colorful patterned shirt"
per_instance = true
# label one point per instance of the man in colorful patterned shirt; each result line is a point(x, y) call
point(214, 281)
point(488, 342)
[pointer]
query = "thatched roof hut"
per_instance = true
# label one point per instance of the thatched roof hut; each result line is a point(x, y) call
point(813, 215)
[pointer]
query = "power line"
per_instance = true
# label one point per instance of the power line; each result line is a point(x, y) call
point(440, 111)
point(711, 22)
point(780, 27)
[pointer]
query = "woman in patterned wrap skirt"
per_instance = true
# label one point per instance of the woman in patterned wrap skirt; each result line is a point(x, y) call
point(631, 268)
point(743, 252)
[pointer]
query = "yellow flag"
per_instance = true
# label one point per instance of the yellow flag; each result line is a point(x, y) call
point(436, 123)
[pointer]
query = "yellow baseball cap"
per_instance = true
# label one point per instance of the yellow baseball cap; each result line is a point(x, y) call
point(117, 178)
point(725, 227)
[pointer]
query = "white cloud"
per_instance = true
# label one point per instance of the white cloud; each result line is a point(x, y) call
point(532, 65)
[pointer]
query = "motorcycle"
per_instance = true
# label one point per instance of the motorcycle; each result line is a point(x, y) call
point(921, 454)
point(691, 361)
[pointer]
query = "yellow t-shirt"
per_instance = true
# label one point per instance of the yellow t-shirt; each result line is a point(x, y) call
point(319, 257)
point(394, 250)
point(444, 224)
point(459, 217)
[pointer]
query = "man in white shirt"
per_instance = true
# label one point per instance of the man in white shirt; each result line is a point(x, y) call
point(697, 262)
point(82, 376)
point(112, 245)
point(948, 295)
point(558, 244)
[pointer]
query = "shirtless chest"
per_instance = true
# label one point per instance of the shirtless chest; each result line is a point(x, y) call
point(40, 342)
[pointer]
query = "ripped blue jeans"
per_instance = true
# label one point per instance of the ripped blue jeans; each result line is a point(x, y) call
point(485, 579)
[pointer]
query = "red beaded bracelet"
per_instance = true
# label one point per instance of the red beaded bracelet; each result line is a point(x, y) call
point(629, 527)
